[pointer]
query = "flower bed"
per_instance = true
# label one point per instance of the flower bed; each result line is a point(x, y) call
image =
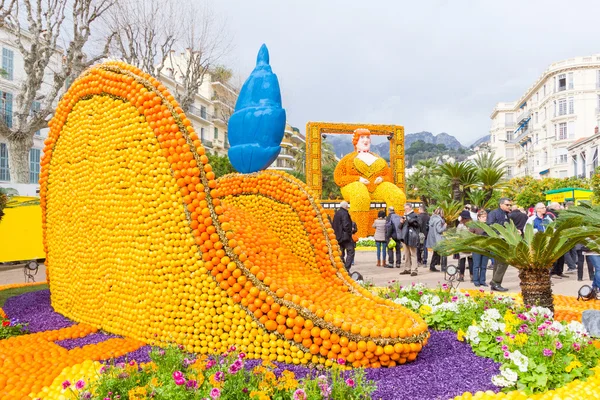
point(78, 348)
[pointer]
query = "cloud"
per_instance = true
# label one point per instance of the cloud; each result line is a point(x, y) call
point(434, 65)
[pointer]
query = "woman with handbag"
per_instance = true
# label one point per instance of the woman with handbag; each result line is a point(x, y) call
point(380, 242)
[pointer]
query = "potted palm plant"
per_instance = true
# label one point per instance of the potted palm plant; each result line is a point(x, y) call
point(532, 253)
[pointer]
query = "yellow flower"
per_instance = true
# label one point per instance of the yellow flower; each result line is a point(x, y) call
point(138, 393)
point(259, 370)
point(270, 376)
point(425, 309)
point(154, 382)
point(574, 364)
point(259, 395)
point(521, 339)
point(460, 335)
point(268, 364)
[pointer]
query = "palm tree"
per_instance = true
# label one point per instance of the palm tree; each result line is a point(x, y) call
point(487, 160)
point(300, 160)
point(451, 209)
point(457, 173)
point(491, 179)
point(328, 156)
point(533, 254)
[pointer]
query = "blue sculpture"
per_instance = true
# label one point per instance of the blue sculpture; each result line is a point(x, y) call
point(255, 129)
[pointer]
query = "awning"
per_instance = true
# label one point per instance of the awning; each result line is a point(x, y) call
point(544, 172)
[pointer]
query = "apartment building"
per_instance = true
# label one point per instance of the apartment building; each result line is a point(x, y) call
point(292, 144)
point(13, 74)
point(534, 132)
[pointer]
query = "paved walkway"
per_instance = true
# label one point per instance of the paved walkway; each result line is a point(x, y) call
point(366, 265)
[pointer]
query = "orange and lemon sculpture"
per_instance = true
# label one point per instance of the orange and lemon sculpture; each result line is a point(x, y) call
point(143, 241)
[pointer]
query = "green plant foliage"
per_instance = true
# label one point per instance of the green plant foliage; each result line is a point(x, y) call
point(220, 164)
point(527, 191)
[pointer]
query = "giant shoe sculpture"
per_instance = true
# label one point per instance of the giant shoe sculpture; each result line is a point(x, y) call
point(143, 241)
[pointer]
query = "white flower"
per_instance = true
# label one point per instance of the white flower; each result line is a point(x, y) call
point(500, 381)
point(473, 334)
point(509, 374)
point(539, 313)
point(491, 314)
point(555, 328)
point(520, 360)
point(576, 329)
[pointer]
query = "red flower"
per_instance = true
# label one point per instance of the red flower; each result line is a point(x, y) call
point(5, 322)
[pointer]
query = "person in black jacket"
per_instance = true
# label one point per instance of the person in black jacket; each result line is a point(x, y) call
point(342, 226)
point(499, 216)
point(421, 248)
point(411, 227)
point(559, 266)
point(518, 217)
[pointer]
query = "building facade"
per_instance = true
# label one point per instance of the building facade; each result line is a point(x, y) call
point(11, 78)
point(583, 155)
point(534, 133)
point(292, 145)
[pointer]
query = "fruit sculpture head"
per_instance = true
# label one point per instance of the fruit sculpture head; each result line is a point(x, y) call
point(256, 127)
point(141, 240)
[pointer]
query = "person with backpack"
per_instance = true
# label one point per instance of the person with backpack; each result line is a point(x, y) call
point(342, 226)
point(411, 228)
point(392, 232)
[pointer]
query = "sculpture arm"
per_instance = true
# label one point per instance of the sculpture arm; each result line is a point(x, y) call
point(345, 173)
point(385, 174)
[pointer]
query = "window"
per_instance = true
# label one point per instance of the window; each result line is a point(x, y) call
point(571, 129)
point(201, 133)
point(562, 82)
point(34, 165)
point(555, 108)
point(216, 132)
point(598, 79)
point(226, 141)
point(537, 139)
point(575, 165)
point(537, 97)
point(571, 80)
point(562, 131)
point(35, 108)
point(545, 157)
point(509, 135)
point(202, 112)
point(4, 170)
point(595, 161)
point(6, 108)
point(562, 107)
point(544, 90)
point(536, 117)
point(509, 172)
point(571, 105)
point(560, 156)
point(7, 63)
point(510, 154)
point(509, 119)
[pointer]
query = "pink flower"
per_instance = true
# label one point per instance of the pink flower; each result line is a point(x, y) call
point(499, 339)
point(548, 353)
point(79, 384)
point(350, 382)
point(219, 376)
point(242, 355)
point(66, 384)
point(215, 393)
point(299, 394)
point(576, 346)
point(506, 354)
point(232, 348)
point(559, 345)
point(177, 375)
point(210, 364)
point(341, 361)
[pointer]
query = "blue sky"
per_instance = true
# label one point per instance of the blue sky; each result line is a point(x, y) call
point(436, 65)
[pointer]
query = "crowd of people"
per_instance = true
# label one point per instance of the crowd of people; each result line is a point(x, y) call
point(403, 241)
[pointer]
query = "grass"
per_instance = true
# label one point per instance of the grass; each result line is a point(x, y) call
point(8, 293)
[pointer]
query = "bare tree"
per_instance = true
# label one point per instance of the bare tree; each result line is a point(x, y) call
point(169, 34)
point(142, 39)
point(39, 47)
point(5, 10)
point(227, 95)
point(205, 41)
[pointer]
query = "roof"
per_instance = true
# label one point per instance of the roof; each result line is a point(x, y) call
point(567, 190)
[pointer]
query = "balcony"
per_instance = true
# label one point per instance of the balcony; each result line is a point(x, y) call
point(207, 143)
point(200, 113)
point(218, 144)
point(523, 135)
point(523, 116)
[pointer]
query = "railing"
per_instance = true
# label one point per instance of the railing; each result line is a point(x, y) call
point(207, 143)
point(523, 116)
point(198, 113)
point(522, 134)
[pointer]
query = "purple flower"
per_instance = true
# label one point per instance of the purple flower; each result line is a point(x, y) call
point(215, 393)
point(522, 317)
point(187, 362)
point(245, 390)
point(103, 369)
point(548, 352)
point(210, 364)
point(233, 369)
point(219, 376)
point(559, 345)
point(66, 384)
point(86, 395)
point(191, 384)
point(350, 382)
point(79, 384)
point(120, 365)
